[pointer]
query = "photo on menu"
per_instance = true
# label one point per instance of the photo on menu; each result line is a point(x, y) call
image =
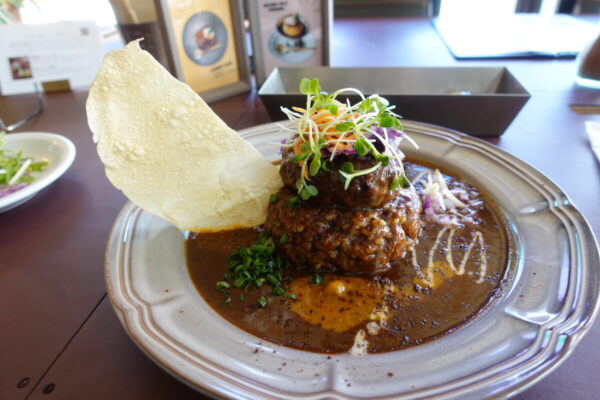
point(204, 42)
point(289, 34)
point(20, 67)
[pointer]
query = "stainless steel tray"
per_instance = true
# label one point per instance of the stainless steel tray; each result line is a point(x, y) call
point(480, 101)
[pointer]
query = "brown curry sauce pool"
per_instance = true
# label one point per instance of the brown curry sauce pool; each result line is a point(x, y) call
point(395, 310)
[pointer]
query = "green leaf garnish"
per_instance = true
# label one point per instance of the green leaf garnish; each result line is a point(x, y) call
point(309, 86)
point(299, 157)
point(333, 109)
point(347, 176)
point(304, 194)
point(361, 146)
point(386, 121)
point(315, 165)
point(293, 202)
point(385, 160)
point(344, 127)
point(404, 182)
point(347, 167)
point(365, 105)
point(273, 198)
point(401, 180)
point(312, 190)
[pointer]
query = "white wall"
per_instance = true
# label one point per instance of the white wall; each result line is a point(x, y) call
point(68, 10)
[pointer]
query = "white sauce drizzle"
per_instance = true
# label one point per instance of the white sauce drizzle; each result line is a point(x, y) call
point(373, 328)
point(438, 239)
point(477, 239)
point(359, 348)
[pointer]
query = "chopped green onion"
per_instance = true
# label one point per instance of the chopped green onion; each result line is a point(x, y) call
point(293, 202)
point(252, 267)
point(262, 301)
point(290, 296)
point(223, 286)
point(273, 198)
point(317, 279)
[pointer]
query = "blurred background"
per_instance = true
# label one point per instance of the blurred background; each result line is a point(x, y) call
point(42, 11)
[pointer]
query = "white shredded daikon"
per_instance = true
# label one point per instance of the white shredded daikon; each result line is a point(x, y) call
point(20, 172)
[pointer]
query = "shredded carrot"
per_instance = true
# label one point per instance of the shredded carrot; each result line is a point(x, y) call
point(323, 118)
point(305, 173)
point(298, 146)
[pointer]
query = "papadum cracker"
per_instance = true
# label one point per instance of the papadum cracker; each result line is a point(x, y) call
point(169, 153)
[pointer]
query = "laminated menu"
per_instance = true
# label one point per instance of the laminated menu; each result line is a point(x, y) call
point(65, 54)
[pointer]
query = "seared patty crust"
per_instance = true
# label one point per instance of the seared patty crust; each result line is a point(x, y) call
point(370, 190)
point(350, 239)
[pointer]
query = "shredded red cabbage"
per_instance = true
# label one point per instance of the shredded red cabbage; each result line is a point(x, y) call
point(5, 191)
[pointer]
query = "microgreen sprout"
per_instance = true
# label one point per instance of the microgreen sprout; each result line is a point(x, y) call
point(15, 169)
point(327, 127)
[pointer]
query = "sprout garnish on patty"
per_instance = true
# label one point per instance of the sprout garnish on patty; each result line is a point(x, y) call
point(328, 127)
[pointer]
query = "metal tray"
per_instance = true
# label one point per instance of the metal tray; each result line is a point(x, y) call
point(480, 101)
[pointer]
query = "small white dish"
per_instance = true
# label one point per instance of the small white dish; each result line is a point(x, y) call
point(56, 150)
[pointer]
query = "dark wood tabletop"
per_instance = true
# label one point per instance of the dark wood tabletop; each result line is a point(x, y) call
point(59, 337)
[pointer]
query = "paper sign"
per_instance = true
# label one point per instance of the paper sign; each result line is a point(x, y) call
point(64, 51)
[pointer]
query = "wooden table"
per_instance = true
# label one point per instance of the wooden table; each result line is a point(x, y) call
point(59, 337)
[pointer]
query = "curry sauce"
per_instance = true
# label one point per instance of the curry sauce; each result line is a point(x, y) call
point(454, 270)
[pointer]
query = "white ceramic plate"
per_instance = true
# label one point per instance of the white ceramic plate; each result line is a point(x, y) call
point(547, 304)
point(56, 150)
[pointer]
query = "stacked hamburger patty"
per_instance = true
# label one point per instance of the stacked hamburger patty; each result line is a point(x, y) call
point(361, 229)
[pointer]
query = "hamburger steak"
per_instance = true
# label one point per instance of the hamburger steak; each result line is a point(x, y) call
point(371, 190)
point(347, 239)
